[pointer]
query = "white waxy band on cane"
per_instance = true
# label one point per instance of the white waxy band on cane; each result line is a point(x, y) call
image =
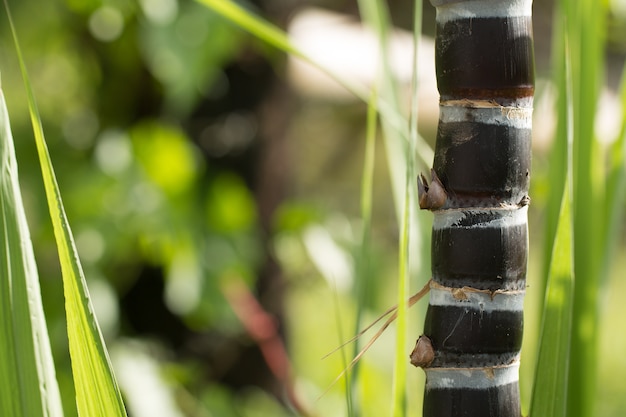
point(470, 9)
point(497, 218)
point(515, 117)
point(472, 378)
point(483, 301)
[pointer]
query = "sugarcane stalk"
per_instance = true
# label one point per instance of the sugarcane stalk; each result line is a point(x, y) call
point(478, 194)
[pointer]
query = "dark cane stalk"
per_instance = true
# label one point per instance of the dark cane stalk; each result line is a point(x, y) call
point(478, 194)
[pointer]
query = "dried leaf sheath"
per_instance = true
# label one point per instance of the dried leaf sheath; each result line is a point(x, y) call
point(484, 58)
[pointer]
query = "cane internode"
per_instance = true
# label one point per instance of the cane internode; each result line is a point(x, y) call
point(484, 50)
point(482, 155)
point(474, 322)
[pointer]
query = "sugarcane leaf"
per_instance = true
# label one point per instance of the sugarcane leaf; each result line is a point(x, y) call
point(586, 22)
point(365, 283)
point(375, 15)
point(28, 385)
point(97, 392)
point(551, 386)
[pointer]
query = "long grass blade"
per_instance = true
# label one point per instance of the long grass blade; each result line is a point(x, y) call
point(550, 391)
point(97, 392)
point(580, 25)
point(585, 27)
point(28, 385)
point(400, 364)
point(365, 277)
point(417, 32)
point(367, 180)
point(416, 261)
point(400, 153)
point(375, 15)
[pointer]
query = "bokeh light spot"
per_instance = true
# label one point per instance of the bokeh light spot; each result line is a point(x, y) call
point(106, 24)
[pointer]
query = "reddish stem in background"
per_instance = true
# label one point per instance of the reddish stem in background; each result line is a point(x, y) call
point(263, 330)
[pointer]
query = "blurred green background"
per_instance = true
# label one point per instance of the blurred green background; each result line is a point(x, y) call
point(199, 166)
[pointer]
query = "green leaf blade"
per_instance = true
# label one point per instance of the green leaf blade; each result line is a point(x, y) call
point(585, 23)
point(552, 386)
point(28, 385)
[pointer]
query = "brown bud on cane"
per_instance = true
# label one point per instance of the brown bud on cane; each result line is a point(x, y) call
point(433, 196)
point(524, 201)
point(423, 353)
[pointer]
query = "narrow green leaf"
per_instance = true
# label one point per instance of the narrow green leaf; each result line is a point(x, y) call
point(551, 387)
point(400, 362)
point(399, 152)
point(558, 154)
point(367, 180)
point(417, 33)
point(28, 386)
point(581, 25)
point(365, 284)
point(419, 250)
point(97, 392)
point(375, 15)
point(586, 26)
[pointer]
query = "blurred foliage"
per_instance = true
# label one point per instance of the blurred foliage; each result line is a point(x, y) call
point(117, 82)
point(156, 115)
